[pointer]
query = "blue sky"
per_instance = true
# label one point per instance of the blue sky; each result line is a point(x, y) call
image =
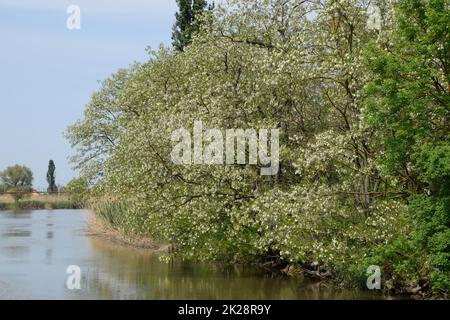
point(48, 72)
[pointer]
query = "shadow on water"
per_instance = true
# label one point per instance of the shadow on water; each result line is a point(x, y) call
point(137, 274)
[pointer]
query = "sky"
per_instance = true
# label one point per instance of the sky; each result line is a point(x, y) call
point(48, 72)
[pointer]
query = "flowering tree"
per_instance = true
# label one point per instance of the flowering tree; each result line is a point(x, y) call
point(297, 66)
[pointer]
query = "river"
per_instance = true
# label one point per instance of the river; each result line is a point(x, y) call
point(36, 248)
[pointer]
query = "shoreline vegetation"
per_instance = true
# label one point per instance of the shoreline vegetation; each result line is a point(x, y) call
point(98, 227)
point(38, 202)
point(364, 172)
point(103, 225)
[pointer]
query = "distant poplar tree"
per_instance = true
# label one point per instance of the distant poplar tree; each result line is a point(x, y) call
point(186, 24)
point(51, 177)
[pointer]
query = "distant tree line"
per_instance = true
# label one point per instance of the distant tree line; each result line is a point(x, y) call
point(17, 180)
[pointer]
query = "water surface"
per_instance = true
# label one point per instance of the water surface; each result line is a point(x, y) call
point(36, 248)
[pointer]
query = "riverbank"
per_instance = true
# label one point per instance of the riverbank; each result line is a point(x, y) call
point(323, 276)
point(38, 202)
point(99, 228)
point(38, 205)
point(37, 247)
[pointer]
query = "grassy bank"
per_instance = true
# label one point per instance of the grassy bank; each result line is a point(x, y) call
point(38, 205)
point(108, 221)
point(38, 202)
point(100, 227)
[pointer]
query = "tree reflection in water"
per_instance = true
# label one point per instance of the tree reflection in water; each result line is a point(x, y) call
point(123, 272)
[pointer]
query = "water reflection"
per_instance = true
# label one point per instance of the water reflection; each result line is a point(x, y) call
point(37, 247)
point(16, 233)
point(48, 255)
point(23, 214)
point(14, 251)
point(123, 272)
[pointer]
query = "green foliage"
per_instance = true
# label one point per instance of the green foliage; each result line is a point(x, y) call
point(408, 101)
point(319, 208)
point(403, 266)
point(433, 236)
point(187, 22)
point(20, 192)
point(59, 205)
point(113, 212)
point(79, 191)
point(421, 260)
point(95, 136)
point(39, 205)
point(17, 180)
point(362, 130)
point(16, 176)
point(408, 98)
point(51, 177)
